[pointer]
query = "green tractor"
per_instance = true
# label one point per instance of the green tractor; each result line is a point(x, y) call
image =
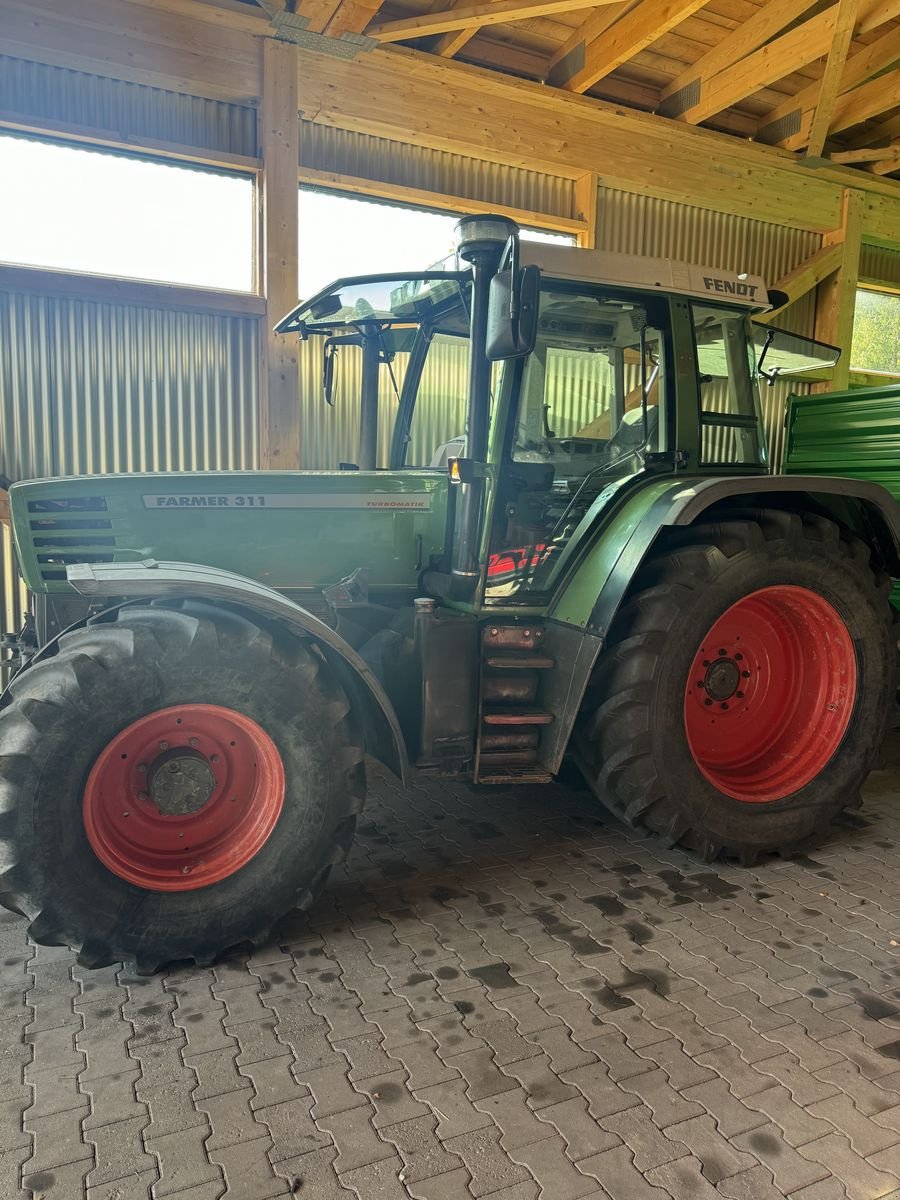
point(559, 537)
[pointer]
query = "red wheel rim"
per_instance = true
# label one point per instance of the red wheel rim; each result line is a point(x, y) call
point(770, 693)
point(183, 797)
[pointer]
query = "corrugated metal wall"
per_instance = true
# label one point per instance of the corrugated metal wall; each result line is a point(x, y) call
point(132, 110)
point(878, 265)
point(338, 150)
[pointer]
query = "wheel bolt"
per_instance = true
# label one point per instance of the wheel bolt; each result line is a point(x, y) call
point(142, 767)
point(163, 745)
point(700, 683)
point(724, 705)
point(124, 814)
point(214, 758)
point(745, 674)
point(181, 835)
point(740, 695)
point(739, 657)
point(185, 870)
point(706, 662)
point(721, 653)
point(707, 703)
point(144, 796)
point(193, 741)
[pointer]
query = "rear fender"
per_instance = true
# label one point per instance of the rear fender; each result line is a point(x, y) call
point(581, 614)
point(151, 580)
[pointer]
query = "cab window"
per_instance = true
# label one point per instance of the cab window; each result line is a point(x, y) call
point(730, 430)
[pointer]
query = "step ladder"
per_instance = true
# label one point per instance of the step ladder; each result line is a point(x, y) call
point(510, 716)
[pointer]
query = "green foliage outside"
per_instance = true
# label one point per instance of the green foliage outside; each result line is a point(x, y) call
point(876, 332)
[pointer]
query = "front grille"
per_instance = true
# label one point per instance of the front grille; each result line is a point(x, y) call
point(67, 536)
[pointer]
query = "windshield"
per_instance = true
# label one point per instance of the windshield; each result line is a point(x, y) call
point(380, 299)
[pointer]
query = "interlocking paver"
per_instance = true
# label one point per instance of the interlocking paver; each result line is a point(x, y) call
point(862, 1179)
point(519, 1126)
point(616, 1172)
point(490, 1167)
point(637, 1129)
point(557, 1176)
point(119, 1152)
point(768, 1145)
point(182, 1160)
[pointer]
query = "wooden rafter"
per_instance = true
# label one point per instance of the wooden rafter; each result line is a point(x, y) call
point(632, 32)
point(831, 77)
point(872, 135)
point(765, 23)
point(475, 16)
point(592, 27)
point(869, 155)
point(790, 52)
point(889, 162)
point(859, 67)
point(809, 274)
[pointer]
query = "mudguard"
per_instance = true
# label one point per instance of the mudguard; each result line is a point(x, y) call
point(585, 607)
point(153, 580)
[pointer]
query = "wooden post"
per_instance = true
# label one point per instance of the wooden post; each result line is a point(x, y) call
point(279, 138)
point(836, 295)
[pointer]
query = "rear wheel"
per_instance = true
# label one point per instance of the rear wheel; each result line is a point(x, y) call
point(171, 784)
point(745, 688)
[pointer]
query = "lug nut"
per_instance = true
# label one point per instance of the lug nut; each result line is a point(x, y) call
point(707, 703)
point(706, 662)
point(721, 653)
point(739, 657)
point(740, 695)
point(163, 745)
point(700, 683)
point(214, 758)
point(723, 706)
point(185, 870)
point(142, 767)
point(193, 741)
point(124, 814)
point(745, 674)
point(144, 796)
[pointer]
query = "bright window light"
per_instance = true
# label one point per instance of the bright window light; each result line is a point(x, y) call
point(342, 235)
point(876, 332)
point(102, 213)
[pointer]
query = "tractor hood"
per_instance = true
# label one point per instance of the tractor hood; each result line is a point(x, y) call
point(296, 530)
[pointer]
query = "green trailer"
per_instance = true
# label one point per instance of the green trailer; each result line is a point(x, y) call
point(581, 552)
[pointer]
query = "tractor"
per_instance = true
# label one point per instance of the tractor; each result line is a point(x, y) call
point(559, 538)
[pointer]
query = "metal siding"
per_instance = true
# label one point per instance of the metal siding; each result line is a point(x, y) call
point(879, 265)
point(89, 388)
point(131, 110)
point(342, 152)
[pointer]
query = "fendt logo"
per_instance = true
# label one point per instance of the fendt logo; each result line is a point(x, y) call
point(729, 286)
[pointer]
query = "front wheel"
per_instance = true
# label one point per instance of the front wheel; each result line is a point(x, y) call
point(745, 688)
point(171, 784)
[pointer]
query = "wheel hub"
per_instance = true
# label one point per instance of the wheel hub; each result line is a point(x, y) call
point(722, 679)
point(181, 784)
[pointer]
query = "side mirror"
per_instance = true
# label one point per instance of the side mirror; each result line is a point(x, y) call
point(513, 305)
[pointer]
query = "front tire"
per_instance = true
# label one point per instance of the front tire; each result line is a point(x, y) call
point(745, 688)
point(171, 784)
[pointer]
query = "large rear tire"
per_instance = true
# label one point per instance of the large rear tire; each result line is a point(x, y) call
point(745, 687)
point(171, 784)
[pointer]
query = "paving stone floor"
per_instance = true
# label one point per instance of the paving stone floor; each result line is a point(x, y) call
point(499, 996)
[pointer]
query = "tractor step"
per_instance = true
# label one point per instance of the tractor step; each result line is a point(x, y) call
point(517, 716)
point(520, 661)
point(515, 774)
point(511, 637)
point(507, 758)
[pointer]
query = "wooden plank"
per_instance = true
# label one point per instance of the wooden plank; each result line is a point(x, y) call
point(807, 275)
point(831, 76)
point(766, 22)
point(475, 16)
point(139, 45)
point(110, 289)
point(859, 67)
point(101, 137)
point(443, 201)
point(630, 34)
point(868, 155)
point(889, 163)
point(586, 205)
point(784, 55)
point(878, 134)
point(352, 16)
point(279, 127)
point(836, 296)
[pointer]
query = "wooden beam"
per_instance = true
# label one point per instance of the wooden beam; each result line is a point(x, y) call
point(451, 106)
point(630, 34)
point(586, 201)
point(589, 29)
point(845, 157)
point(836, 295)
point(492, 12)
point(806, 276)
point(279, 128)
point(831, 76)
point(889, 163)
point(766, 22)
point(872, 59)
point(873, 135)
point(788, 53)
point(404, 194)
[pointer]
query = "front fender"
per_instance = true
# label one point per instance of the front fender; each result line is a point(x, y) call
point(171, 580)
